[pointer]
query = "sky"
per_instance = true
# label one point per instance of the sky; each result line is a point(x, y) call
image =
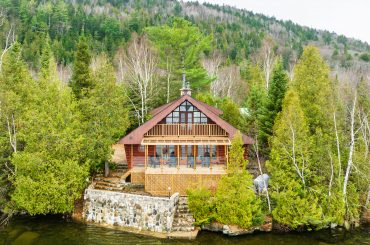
point(348, 17)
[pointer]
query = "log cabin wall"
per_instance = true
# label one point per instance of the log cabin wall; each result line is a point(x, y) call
point(128, 155)
point(135, 155)
point(221, 154)
point(245, 152)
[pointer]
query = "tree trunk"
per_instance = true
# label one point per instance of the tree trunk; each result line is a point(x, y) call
point(106, 169)
point(351, 150)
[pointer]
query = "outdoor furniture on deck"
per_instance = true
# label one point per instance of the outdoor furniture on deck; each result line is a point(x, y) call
point(206, 162)
point(190, 163)
point(153, 162)
point(172, 162)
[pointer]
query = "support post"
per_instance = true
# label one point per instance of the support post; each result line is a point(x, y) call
point(132, 156)
point(178, 156)
point(210, 160)
point(146, 157)
point(161, 161)
point(227, 156)
point(195, 158)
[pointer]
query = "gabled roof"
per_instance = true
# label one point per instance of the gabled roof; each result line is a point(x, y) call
point(136, 136)
point(162, 107)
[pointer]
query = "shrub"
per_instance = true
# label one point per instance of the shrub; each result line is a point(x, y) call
point(236, 202)
point(201, 204)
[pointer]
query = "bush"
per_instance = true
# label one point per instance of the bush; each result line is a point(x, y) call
point(365, 57)
point(201, 205)
point(236, 202)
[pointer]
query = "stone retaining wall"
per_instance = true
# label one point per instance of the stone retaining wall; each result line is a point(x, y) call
point(130, 210)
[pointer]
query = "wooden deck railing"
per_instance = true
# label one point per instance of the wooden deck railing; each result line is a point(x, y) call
point(186, 129)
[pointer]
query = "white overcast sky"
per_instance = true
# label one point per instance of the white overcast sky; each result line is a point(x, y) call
point(348, 17)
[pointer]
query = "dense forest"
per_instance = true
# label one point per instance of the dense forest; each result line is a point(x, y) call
point(75, 76)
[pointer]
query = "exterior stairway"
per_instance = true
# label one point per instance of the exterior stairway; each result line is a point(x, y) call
point(183, 220)
point(108, 184)
point(121, 167)
point(116, 184)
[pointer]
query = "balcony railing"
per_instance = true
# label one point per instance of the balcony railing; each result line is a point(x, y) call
point(180, 162)
point(186, 129)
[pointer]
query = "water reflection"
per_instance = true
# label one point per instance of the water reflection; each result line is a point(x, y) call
point(51, 230)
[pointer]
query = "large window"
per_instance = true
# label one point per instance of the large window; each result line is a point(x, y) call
point(186, 113)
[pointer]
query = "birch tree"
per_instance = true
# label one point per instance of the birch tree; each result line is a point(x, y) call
point(267, 57)
point(289, 166)
point(139, 64)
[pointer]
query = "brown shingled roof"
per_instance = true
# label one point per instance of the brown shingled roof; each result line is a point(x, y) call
point(136, 136)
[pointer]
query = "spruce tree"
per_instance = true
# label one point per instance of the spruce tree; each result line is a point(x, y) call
point(81, 80)
point(276, 93)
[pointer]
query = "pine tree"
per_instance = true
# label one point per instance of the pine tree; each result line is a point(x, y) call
point(276, 93)
point(181, 46)
point(81, 80)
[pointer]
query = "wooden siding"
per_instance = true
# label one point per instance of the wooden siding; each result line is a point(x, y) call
point(128, 155)
point(138, 177)
point(157, 184)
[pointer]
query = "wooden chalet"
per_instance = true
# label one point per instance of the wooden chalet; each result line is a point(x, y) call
point(184, 145)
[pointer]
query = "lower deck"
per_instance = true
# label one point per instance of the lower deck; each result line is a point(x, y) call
point(166, 180)
point(166, 169)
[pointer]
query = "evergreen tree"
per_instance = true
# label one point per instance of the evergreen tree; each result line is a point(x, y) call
point(237, 163)
point(236, 202)
point(289, 167)
point(104, 114)
point(312, 83)
point(276, 93)
point(230, 110)
point(181, 46)
point(255, 103)
point(81, 78)
point(256, 98)
point(48, 175)
point(48, 70)
point(16, 92)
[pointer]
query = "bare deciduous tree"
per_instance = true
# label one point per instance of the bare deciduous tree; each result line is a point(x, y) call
point(351, 147)
point(9, 41)
point(255, 146)
point(267, 57)
point(137, 65)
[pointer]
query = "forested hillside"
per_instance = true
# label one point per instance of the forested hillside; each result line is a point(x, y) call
point(75, 76)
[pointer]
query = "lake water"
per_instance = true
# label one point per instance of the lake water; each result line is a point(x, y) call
point(51, 230)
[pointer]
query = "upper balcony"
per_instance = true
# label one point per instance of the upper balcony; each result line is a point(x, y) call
point(186, 130)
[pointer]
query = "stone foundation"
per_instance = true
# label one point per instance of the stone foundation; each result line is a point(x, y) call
point(130, 210)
